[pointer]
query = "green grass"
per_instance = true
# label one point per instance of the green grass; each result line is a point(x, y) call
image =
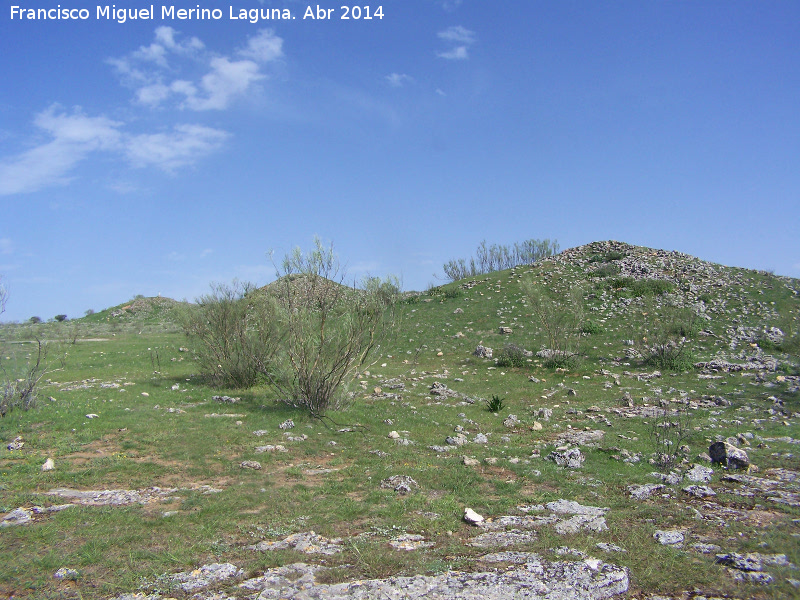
point(137, 443)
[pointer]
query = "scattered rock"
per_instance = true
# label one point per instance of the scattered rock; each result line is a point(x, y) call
point(470, 462)
point(18, 516)
point(571, 458)
point(669, 538)
point(271, 448)
point(287, 424)
point(67, 574)
point(205, 576)
point(92, 416)
point(511, 421)
point(17, 444)
point(502, 538)
point(506, 330)
point(699, 491)
point(483, 352)
point(409, 542)
point(642, 492)
point(402, 484)
point(471, 517)
point(728, 455)
point(48, 465)
point(250, 464)
point(700, 474)
point(225, 399)
point(307, 543)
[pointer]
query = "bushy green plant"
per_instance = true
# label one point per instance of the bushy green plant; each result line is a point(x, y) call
point(232, 332)
point(498, 257)
point(511, 356)
point(561, 318)
point(664, 336)
point(328, 331)
point(605, 271)
point(495, 404)
point(452, 293)
point(636, 288)
point(591, 328)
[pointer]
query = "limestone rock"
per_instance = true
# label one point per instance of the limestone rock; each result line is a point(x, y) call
point(700, 474)
point(728, 455)
point(471, 517)
point(48, 465)
point(571, 458)
point(250, 464)
point(483, 352)
point(669, 538)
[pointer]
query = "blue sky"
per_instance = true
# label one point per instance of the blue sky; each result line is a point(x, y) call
point(158, 156)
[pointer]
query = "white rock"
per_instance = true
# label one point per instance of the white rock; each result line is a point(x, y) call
point(471, 517)
point(92, 416)
point(48, 465)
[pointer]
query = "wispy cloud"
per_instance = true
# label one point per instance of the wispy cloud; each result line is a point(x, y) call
point(184, 145)
point(75, 136)
point(461, 37)
point(6, 246)
point(399, 79)
point(214, 80)
point(206, 252)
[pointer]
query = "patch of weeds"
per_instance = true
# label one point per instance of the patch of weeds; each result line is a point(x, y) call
point(669, 432)
point(609, 270)
point(452, 293)
point(495, 404)
point(591, 328)
point(511, 356)
point(413, 299)
point(637, 288)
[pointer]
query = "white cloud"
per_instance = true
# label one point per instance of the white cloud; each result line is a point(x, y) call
point(461, 37)
point(265, 46)
point(175, 256)
point(458, 34)
point(398, 79)
point(457, 53)
point(74, 137)
point(206, 252)
point(148, 71)
point(6, 246)
point(440, 92)
point(225, 81)
point(169, 151)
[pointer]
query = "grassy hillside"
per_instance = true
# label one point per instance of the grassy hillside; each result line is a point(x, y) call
point(159, 431)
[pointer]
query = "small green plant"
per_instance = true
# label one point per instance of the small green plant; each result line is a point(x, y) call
point(511, 356)
point(637, 288)
point(606, 271)
point(495, 404)
point(670, 429)
point(591, 328)
point(452, 293)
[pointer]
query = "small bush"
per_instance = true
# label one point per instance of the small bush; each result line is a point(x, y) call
point(636, 288)
point(591, 328)
point(511, 356)
point(61, 318)
point(606, 271)
point(495, 404)
point(452, 293)
point(413, 299)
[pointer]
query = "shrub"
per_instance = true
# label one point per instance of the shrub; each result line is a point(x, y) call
point(495, 404)
point(61, 318)
point(591, 328)
point(636, 288)
point(499, 257)
point(511, 356)
point(452, 293)
point(35, 320)
point(669, 431)
point(561, 318)
point(328, 331)
point(664, 336)
point(605, 271)
point(232, 334)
